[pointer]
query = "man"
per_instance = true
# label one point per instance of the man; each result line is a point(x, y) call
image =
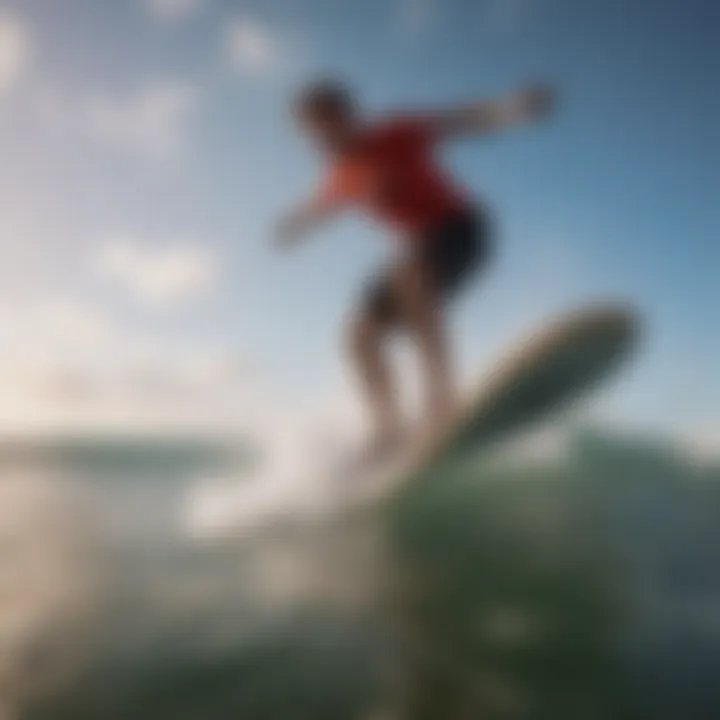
point(388, 168)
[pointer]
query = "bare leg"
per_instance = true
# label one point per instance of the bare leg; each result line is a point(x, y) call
point(368, 337)
point(424, 317)
point(420, 312)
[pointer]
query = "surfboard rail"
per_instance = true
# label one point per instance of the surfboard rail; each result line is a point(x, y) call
point(540, 375)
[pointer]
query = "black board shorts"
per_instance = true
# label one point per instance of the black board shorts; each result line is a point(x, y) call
point(452, 251)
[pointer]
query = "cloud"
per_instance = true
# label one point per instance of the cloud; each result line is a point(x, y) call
point(70, 366)
point(252, 47)
point(152, 120)
point(53, 319)
point(172, 10)
point(41, 338)
point(160, 277)
point(14, 50)
point(303, 452)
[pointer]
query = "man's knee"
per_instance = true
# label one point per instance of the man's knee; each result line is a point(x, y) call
point(363, 338)
point(414, 289)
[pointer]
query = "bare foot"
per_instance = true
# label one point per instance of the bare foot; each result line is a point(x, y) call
point(385, 444)
point(441, 412)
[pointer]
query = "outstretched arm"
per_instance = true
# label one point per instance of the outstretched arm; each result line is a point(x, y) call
point(489, 116)
point(301, 220)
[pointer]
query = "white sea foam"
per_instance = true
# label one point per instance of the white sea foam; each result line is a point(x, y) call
point(47, 586)
point(297, 476)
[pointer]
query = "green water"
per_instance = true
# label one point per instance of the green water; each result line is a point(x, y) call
point(573, 589)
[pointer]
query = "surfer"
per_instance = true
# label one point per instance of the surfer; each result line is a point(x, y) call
point(388, 168)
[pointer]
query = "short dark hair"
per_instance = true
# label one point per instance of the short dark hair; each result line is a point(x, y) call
point(327, 97)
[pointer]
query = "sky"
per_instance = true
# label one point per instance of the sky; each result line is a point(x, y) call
point(147, 149)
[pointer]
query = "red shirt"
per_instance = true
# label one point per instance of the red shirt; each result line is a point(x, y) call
point(391, 172)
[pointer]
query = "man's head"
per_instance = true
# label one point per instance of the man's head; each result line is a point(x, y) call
point(327, 112)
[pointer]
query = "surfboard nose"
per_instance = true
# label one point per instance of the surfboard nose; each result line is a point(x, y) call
point(619, 319)
point(615, 327)
point(551, 369)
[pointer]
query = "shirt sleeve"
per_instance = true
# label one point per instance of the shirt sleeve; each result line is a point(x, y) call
point(339, 188)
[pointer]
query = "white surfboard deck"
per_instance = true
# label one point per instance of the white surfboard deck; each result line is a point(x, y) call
point(541, 375)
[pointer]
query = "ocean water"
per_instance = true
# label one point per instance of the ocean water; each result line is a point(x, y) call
point(582, 585)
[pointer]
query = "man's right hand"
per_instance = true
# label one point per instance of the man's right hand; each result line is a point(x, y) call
point(293, 226)
point(539, 101)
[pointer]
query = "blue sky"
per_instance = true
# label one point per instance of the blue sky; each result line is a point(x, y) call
point(147, 149)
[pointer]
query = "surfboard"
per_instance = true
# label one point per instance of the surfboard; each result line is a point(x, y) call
point(541, 375)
